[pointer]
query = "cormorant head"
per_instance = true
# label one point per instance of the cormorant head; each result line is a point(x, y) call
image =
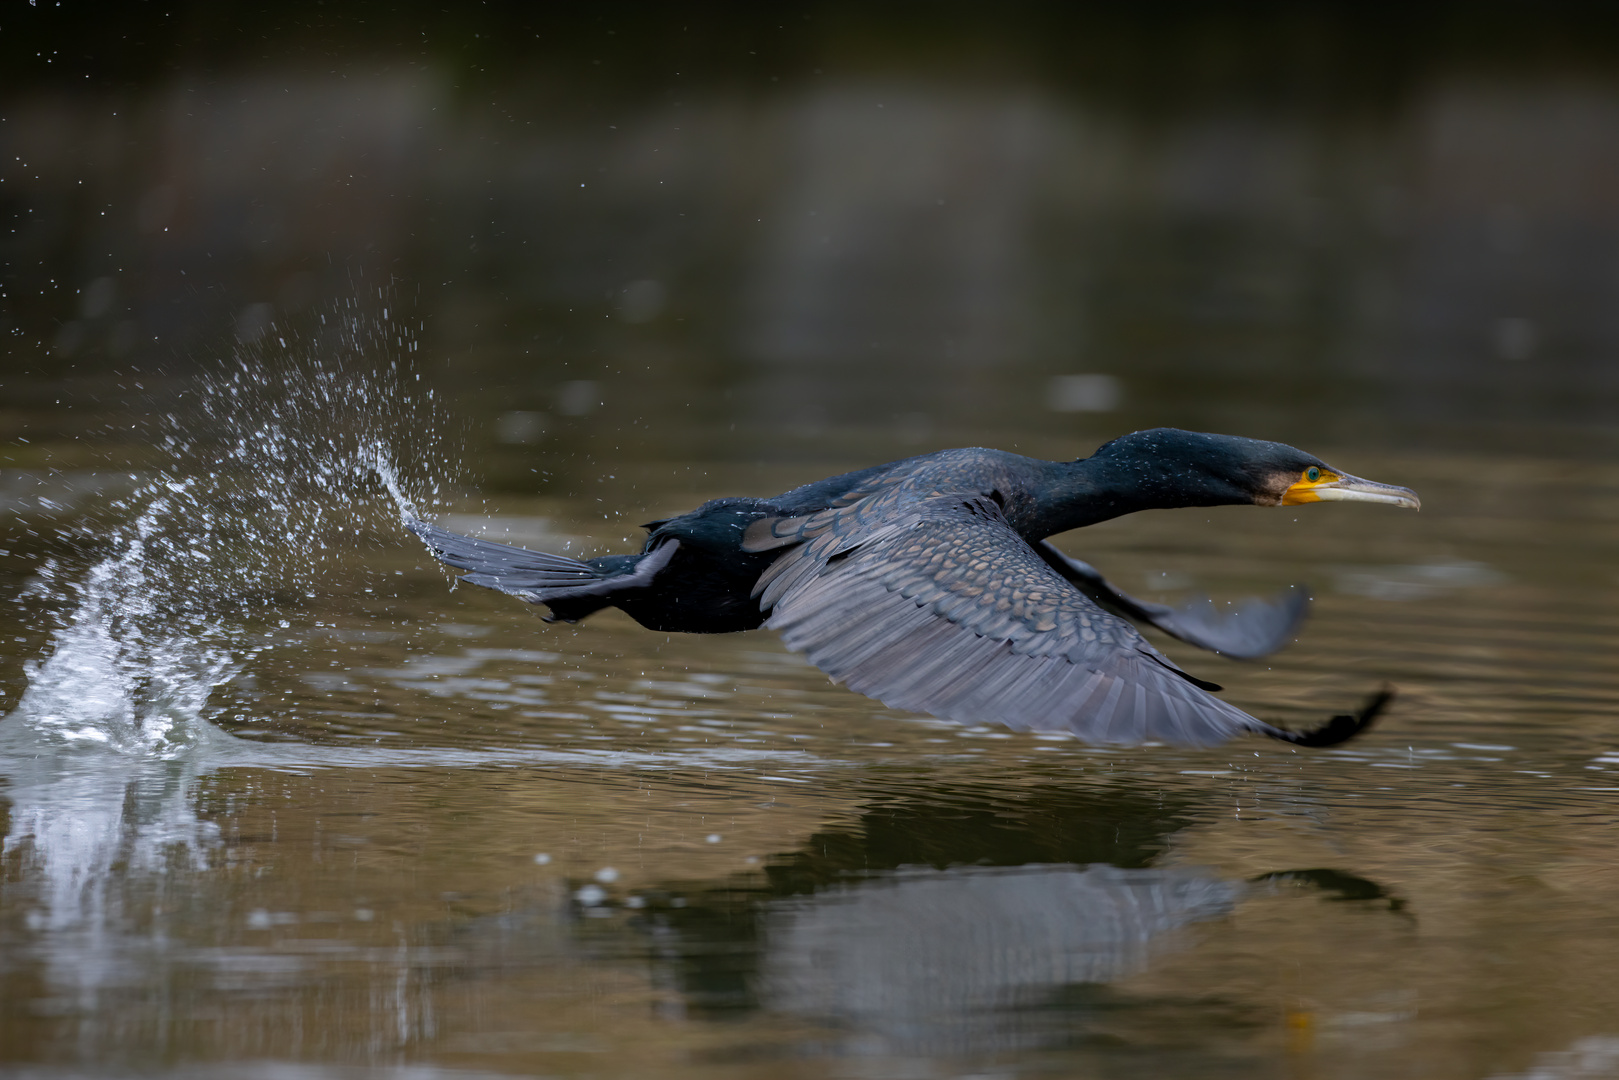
point(1189, 468)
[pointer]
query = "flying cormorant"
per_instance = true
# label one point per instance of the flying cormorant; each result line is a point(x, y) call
point(928, 583)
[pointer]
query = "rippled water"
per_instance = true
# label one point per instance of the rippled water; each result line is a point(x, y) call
point(277, 793)
point(278, 800)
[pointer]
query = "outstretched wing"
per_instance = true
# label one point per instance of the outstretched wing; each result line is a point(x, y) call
point(938, 606)
point(1257, 628)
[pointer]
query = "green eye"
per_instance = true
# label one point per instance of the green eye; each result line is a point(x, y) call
point(1312, 474)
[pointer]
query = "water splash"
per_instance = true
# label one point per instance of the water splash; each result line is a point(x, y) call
point(389, 475)
point(270, 469)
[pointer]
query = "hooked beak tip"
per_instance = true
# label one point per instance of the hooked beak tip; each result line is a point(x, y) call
point(1352, 489)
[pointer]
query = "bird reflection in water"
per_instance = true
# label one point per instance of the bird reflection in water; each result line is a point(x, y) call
point(954, 921)
point(941, 959)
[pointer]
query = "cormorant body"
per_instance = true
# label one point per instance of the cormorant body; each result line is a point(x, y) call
point(928, 582)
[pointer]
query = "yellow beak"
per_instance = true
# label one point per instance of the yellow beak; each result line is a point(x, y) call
point(1339, 487)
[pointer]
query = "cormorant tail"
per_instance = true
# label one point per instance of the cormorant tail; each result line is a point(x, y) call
point(570, 588)
point(514, 570)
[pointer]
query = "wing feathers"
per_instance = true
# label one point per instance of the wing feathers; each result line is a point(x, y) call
point(1256, 629)
point(943, 609)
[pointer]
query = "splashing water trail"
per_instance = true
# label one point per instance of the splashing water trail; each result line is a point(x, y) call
point(389, 475)
point(271, 462)
point(204, 566)
point(117, 677)
point(245, 511)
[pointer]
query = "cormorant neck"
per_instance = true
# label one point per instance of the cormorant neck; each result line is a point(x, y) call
point(1105, 486)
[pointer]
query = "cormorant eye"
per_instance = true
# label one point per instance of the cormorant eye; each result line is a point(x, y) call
point(1312, 474)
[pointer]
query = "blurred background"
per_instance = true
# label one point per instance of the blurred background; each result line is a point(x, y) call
point(827, 231)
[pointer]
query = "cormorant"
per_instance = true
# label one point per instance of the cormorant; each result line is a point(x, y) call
point(928, 583)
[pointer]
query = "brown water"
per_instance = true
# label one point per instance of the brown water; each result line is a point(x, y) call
point(433, 831)
point(278, 801)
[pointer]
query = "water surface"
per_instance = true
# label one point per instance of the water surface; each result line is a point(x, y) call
point(419, 826)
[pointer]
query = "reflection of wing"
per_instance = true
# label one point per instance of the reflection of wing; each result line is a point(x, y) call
point(947, 957)
point(938, 606)
point(1256, 629)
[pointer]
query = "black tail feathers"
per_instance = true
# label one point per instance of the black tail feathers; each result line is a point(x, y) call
point(570, 588)
point(515, 570)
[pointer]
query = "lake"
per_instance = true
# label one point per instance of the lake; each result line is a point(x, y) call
point(280, 800)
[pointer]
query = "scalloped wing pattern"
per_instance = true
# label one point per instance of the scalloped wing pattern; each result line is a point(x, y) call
point(938, 606)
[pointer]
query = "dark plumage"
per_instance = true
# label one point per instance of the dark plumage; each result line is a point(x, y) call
point(927, 583)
